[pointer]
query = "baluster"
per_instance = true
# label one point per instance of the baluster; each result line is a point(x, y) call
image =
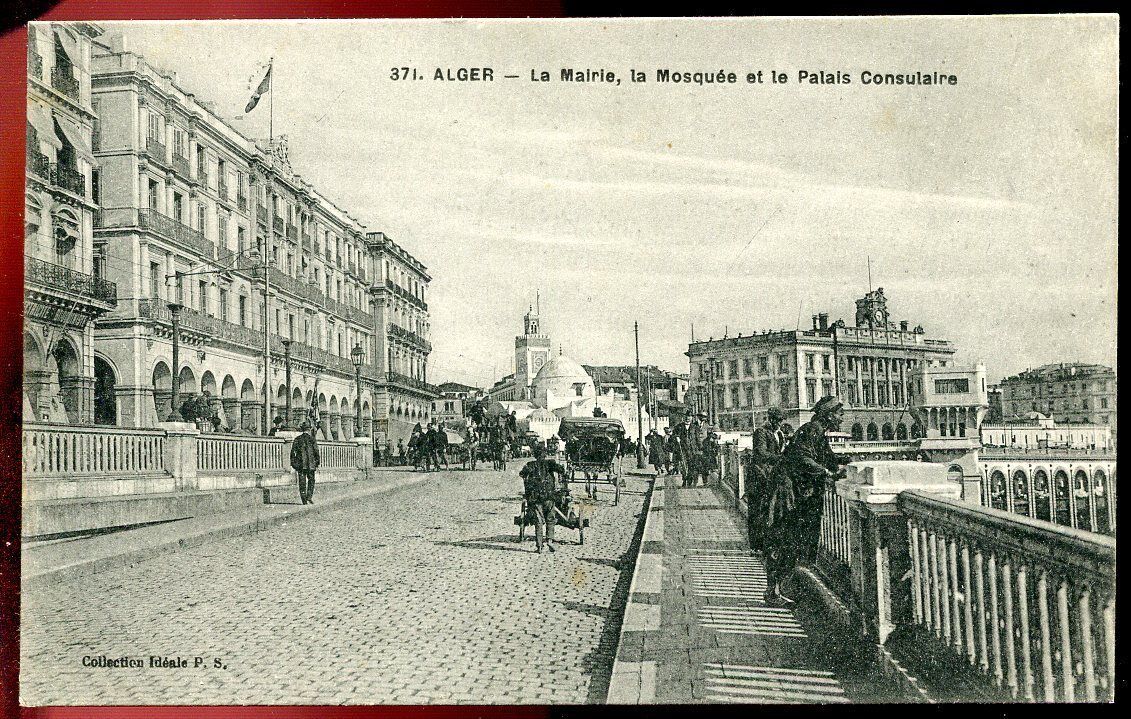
point(936, 610)
point(995, 620)
point(944, 586)
point(916, 578)
point(968, 605)
point(1023, 619)
point(955, 598)
point(1109, 642)
point(1068, 677)
point(1046, 636)
point(1010, 644)
point(1088, 643)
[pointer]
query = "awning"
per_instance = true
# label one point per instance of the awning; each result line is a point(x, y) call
point(74, 136)
point(40, 118)
point(70, 46)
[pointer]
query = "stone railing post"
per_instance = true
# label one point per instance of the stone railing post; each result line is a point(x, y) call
point(878, 536)
point(288, 436)
point(180, 454)
point(364, 454)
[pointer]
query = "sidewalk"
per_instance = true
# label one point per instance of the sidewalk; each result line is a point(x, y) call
point(47, 562)
point(696, 629)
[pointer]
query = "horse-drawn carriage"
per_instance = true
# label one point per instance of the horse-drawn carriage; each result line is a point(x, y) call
point(591, 449)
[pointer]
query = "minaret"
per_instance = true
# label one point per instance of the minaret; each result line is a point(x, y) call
point(531, 350)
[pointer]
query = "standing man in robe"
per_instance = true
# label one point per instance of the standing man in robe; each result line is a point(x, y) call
point(769, 441)
point(797, 496)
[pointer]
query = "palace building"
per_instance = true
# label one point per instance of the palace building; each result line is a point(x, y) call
point(65, 287)
point(200, 222)
point(869, 366)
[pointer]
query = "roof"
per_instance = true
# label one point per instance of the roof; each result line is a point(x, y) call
point(561, 367)
point(457, 387)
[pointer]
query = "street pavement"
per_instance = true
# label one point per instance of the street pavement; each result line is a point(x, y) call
point(420, 595)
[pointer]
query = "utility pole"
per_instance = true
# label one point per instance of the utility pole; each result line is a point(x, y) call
point(639, 417)
point(175, 398)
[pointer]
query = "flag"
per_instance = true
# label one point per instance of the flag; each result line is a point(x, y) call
point(264, 86)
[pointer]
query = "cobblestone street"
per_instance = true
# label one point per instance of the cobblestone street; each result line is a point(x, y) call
point(421, 595)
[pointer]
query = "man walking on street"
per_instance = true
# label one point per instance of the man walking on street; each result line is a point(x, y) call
point(655, 450)
point(769, 441)
point(797, 494)
point(667, 456)
point(540, 485)
point(305, 460)
point(686, 450)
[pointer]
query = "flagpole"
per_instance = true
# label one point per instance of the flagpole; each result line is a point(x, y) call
point(271, 101)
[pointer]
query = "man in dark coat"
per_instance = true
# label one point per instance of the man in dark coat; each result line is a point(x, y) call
point(540, 478)
point(305, 460)
point(685, 450)
point(769, 441)
point(709, 458)
point(655, 450)
point(667, 456)
point(432, 445)
point(793, 514)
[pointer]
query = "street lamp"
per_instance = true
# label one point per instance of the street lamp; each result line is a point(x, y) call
point(358, 356)
point(287, 364)
point(175, 399)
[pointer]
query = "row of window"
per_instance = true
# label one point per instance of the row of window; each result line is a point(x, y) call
point(729, 369)
point(1070, 387)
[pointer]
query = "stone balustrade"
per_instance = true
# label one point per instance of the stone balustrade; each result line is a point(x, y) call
point(1027, 604)
point(238, 453)
point(63, 450)
point(338, 455)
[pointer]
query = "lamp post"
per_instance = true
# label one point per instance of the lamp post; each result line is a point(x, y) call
point(175, 399)
point(358, 356)
point(287, 365)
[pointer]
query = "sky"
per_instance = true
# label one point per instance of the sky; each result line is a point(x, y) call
point(987, 209)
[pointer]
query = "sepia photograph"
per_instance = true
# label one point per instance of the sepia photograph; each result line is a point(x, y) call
point(560, 362)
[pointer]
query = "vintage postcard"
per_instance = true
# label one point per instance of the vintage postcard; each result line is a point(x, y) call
point(570, 362)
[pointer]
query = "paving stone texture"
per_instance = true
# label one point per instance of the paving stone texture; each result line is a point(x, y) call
point(421, 595)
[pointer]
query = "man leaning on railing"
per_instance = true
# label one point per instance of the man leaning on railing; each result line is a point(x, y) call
point(796, 497)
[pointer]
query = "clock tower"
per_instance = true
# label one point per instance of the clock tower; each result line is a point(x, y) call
point(531, 351)
point(872, 310)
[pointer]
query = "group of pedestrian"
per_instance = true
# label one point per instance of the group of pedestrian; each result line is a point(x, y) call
point(690, 450)
point(785, 487)
point(428, 448)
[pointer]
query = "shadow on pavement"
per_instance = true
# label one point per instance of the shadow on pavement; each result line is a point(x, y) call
point(496, 542)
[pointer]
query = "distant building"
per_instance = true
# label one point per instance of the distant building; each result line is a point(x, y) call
point(869, 367)
point(1069, 393)
point(993, 394)
point(1036, 431)
point(453, 402)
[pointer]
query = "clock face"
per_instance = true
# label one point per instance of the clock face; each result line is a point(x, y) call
point(537, 363)
point(881, 317)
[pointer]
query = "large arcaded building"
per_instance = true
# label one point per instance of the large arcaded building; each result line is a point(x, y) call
point(198, 218)
point(870, 366)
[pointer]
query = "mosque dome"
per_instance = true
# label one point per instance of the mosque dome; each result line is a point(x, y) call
point(565, 379)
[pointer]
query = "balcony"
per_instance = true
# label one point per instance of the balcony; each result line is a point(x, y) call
point(241, 201)
point(222, 189)
point(406, 295)
point(409, 337)
point(292, 233)
point(170, 229)
point(404, 381)
point(63, 80)
point(35, 65)
point(155, 149)
point(67, 280)
point(203, 177)
point(181, 165)
point(295, 286)
point(277, 223)
point(261, 214)
point(206, 325)
point(61, 176)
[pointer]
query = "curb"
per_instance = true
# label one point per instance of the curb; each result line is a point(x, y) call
point(236, 528)
point(629, 680)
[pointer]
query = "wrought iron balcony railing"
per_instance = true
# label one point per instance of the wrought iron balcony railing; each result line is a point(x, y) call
point(278, 224)
point(39, 164)
point(171, 229)
point(63, 278)
point(241, 201)
point(396, 378)
point(410, 337)
point(69, 179)
point(222, 189)
point(155, 148)
point(181, 164)
point(64, 81)
point(292, 233)
point(35, 65)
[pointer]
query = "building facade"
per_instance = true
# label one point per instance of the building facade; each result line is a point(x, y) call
point(1069, 393)
point(65, 288)
point(869, 367)
point(453, 402)
point(202, 223)
point(531, 353)
point(1037, 431)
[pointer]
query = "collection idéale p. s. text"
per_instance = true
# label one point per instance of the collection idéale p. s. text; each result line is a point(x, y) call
point(665, 76)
